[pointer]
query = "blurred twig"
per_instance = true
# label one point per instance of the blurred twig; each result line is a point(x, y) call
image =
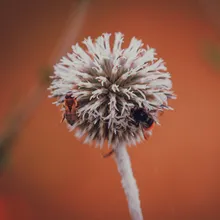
point(17, 120)
point(212, 53)
point(74, 26)
point(211, 9)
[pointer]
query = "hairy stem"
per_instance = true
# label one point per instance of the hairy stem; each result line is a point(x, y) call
point(128, 182)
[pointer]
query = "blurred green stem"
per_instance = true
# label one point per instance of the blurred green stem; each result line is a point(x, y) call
point(37, 93)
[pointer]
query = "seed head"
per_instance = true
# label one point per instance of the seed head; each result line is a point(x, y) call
point(107, 84)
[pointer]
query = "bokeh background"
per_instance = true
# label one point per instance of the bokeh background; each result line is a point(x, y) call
point(46, 174)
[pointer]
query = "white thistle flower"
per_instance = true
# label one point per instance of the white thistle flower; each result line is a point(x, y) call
point(108, 83)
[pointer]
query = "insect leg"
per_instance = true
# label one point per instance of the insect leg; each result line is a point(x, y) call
point(108, 154)
point(63, 118)
point(75, 102)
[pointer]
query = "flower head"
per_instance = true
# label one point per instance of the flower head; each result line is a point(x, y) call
point(108, 83)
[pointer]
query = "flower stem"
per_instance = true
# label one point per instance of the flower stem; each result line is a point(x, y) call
point(128, 182)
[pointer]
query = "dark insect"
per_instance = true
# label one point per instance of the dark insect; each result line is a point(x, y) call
point(141, 117)
point(70, 105)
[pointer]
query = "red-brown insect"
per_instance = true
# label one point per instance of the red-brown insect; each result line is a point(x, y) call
point(108, 154)
point(70, 105)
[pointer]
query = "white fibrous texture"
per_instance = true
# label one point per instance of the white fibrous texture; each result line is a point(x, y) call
point(108, 82)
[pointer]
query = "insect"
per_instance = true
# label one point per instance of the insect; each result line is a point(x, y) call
point(70, 105)
point(141, 117)
point(108, 154)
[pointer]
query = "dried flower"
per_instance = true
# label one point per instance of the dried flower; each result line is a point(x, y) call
point(108, 85)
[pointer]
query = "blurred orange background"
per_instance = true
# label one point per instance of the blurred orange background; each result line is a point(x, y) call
point(48, 174)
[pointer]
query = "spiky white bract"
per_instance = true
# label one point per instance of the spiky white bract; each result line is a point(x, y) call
point(107, 83)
